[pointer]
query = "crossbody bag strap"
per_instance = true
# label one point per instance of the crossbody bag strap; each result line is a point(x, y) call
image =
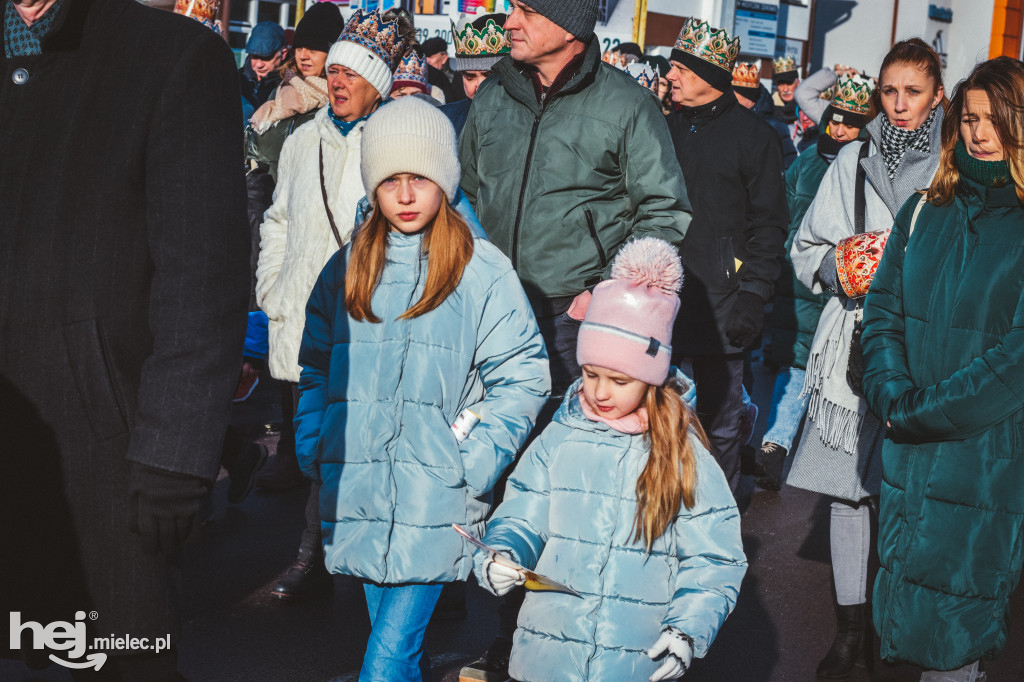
point(917, 211)
point(323, 190)
point(859, 200)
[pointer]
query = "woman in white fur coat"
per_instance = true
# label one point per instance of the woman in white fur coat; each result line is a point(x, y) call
point(319, 187)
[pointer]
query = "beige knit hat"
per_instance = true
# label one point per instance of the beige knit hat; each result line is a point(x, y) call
point(409, 135)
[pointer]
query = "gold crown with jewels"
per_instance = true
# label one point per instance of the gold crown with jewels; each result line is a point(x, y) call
point(711, 45)
point(489, 42)
point(746, 75)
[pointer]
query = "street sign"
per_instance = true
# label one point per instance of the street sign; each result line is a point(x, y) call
point(756, 25)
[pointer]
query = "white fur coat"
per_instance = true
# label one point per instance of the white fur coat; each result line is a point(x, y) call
point(296, 239)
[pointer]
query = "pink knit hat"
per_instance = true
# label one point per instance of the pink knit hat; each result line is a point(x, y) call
point(628, 323)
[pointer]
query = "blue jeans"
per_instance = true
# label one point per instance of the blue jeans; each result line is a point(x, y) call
point(788, 407)
point(399, 615)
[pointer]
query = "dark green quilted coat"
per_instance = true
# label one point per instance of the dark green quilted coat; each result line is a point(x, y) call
point(795, 310)
point(944, 351)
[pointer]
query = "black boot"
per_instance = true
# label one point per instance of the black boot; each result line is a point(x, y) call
point(307, 577)
point(851, 657)
point(771, 458)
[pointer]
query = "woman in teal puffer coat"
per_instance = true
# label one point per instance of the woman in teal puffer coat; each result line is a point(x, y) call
point(657, 575)
point(414, 322)
point(944, 351)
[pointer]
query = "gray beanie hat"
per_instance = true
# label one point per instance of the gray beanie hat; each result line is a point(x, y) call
point(408, 135)
point(578, 17)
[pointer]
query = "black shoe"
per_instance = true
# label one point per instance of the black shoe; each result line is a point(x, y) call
point(748, 462)
point(851, 656)
point(492, 666)
point(307, 577)
point(243, 472)
point(771, 458)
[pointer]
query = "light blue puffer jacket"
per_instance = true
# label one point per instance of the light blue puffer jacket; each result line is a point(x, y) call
point(377, 401)
point(568, 513)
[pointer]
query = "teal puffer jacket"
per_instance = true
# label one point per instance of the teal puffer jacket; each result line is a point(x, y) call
point(944, 350)
point(560, 188)
point(377, 401)
point(568, 513)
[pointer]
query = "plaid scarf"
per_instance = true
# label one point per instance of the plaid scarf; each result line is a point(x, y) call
point(896, 142)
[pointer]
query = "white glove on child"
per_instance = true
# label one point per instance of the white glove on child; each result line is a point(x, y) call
point(499, 579)
point(678, 653)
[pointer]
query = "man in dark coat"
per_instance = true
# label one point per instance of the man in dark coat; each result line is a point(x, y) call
point(440, 71)
point(123, 284)
point(732, 254)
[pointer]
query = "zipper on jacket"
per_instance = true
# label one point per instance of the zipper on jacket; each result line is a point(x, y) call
point(522, 190)
point(593, 235)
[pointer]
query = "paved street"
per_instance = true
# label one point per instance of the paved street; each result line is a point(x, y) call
point(234, 631)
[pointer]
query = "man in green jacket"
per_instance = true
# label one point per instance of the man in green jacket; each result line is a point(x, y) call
point(564, 158)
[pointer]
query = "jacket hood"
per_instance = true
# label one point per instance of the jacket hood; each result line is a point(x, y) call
point(571, 414)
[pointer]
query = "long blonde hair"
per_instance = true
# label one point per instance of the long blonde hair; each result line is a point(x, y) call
point(1002, 79)
point(447, 242)
point(670, 476)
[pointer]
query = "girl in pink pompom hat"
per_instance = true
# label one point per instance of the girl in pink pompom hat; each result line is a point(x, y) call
point(620, 500)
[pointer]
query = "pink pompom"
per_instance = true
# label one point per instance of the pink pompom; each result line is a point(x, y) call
point(651, 262)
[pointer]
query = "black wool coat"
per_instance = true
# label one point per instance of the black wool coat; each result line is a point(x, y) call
point(732, 164)
point(124, 258)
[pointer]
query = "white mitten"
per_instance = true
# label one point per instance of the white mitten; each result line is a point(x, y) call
point(499, 579)
point(678, 650)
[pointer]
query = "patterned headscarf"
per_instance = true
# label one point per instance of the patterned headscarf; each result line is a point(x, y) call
point(896, 142)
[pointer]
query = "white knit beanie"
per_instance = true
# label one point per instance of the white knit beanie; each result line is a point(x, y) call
point(409, 135)
point(364, 62)
point(370, 46)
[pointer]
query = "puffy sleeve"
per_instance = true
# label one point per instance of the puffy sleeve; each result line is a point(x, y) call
point(987, 391)
point(274, 234)
point(520, 523)
point(711, 559)
point(513, 366)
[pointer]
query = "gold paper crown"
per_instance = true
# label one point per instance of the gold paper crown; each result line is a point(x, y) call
point(490, 42)
point(784, 64)
point(412, 68)
point(616, 59)
point(714, 46)
point(853, 94)
point(371, 31)
point(645, 75)
point(746, 75)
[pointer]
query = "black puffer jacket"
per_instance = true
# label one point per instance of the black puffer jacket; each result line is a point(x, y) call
point(732, 164)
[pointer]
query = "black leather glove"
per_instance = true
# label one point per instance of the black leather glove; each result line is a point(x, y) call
point(744, 325)
point(162, 506)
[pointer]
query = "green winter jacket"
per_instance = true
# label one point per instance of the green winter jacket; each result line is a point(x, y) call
point(944, 352)
point(795, 310)
point(559, 188)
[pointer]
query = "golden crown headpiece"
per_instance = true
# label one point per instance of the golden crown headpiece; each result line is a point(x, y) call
point(377, 35)
point(645, 75)
point(412, 69)
point(711, 45)
point(489, 42)
point(746, 75)
point(616, 59)
point(784, 64)
point(853, 94)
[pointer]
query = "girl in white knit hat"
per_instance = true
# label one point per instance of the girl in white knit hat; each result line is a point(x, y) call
point(415, 326)
point(620, 500)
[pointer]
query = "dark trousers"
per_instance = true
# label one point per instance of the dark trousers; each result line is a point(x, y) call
point(719, 380)
point(311, 539)
point(559, 332)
